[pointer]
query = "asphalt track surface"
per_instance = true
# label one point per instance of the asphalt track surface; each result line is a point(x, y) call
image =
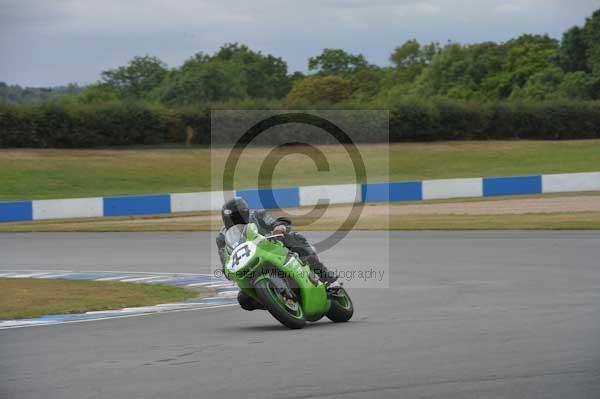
point(467, 315)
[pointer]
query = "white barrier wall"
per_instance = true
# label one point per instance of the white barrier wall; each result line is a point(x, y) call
point(207, 201)
point(452, 188)
point(11, 211)
point(571, 182)
point(68, 208)
point(336, 194)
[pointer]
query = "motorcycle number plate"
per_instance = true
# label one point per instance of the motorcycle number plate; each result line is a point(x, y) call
point(240, 256)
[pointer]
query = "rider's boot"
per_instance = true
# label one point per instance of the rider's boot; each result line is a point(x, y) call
point(248, 303)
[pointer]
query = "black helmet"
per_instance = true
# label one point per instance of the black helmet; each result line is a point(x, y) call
point(235, 211)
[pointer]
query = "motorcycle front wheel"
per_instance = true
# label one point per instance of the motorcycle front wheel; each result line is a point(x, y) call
point(281, 303)
point(341, 309)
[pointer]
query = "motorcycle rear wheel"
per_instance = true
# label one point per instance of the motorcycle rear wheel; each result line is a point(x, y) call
point(286, 310)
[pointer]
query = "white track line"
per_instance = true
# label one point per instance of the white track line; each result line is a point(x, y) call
point(120, 317)
point(216, 285)
point(143, 277)
point(28, 275)
point(198, 284)
point(134, 279)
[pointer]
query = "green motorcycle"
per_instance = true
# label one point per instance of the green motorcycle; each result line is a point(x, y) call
point(275, 277)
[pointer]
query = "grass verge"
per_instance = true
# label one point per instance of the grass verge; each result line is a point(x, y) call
point(537, 221)
point(27, 297)
point(68, 173)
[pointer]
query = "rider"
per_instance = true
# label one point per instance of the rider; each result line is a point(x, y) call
point(236, 211)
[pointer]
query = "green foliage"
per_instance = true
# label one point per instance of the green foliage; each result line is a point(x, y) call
point(201, 81)
point(235, 72)
point(140, 76)
point(530, 86)
point(579, 85)
point(573, 50)
point(411, 58)
point(541, 85)
point(336, 62)
point(98, 94)
point(57, 125)
point(411, 119)
point(592, 39)
point(486, 70)
point(266, 75)
point(319, 90)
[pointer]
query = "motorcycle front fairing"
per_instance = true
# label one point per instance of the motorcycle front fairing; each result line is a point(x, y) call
point(258, 258)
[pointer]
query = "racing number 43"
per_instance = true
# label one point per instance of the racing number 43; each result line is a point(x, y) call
point(240, 254)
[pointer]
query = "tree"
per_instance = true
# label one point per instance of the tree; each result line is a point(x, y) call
point(367, 82)
point(411, 58)
point(319, 90)
point(592, 37)
point(523, 57)
point(234, 72)
point(541, 85)
point(526, 59)
point(336, 62)
point(267, 75)
point(97, 94)
point(447, 69)
point(573, 50)
point(580, 85)
point(137, 78)
point(202, 80)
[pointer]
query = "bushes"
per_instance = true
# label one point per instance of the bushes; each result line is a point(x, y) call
point(549, 121)
point(117, 124)
point(443, 119)
point(113, 124)
point(319, 90)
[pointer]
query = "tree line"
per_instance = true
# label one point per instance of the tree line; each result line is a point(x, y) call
point(532, 86)
point(528, 67)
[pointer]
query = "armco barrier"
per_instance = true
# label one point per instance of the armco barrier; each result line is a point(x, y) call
point(12, 211)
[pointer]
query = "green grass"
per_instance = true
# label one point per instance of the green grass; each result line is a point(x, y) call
point(25, 298)
point(51, 173)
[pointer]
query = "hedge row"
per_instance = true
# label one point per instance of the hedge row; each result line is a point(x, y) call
point(115, 124)
point(449, 120)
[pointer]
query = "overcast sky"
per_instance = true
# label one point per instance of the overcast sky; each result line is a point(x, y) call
point(52, 42)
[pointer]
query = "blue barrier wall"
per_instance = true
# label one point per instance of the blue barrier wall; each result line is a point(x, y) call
point(517, 185)
point(16, 211)
point(13, 211)
point(137, 205)
point(271, 198)
point(396, 191)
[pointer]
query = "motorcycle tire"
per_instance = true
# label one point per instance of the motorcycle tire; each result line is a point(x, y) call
point(287, 313)
point(341, 309)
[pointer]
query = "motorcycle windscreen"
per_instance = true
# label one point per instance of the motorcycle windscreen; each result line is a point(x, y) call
point(235, 235)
